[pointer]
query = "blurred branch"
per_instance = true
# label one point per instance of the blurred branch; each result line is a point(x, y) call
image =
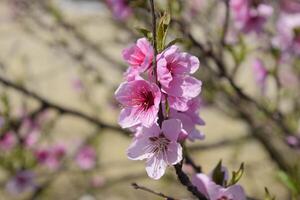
point(47, 104)
point(220, 144)
point(138, 187)
point(225, 25)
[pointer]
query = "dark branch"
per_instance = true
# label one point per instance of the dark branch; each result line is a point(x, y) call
point(47, 104)
point(137, 187)
point(184, 179)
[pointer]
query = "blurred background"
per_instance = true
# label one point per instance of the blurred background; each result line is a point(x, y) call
point(61, 62)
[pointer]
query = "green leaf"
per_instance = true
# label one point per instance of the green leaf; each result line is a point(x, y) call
point(236, 176)
point(177, 40)
point(162, 30)
point(268, 196)
point(146, 33)
point(288, 181)
point(218, 175)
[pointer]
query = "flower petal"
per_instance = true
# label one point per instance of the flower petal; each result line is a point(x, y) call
point(128, 118)
point(156, 167)
point(171, 128)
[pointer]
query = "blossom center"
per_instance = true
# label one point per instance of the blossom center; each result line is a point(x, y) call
point(145, 99)
point(159, 143)
point(224, 198)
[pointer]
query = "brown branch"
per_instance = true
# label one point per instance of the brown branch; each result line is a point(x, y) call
point(154, 32)
point(63, 110)
point(184, 179)
point(138, 187)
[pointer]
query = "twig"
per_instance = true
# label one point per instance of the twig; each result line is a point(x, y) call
point(47, 104)
point(138, 187)
point(219, 144)
point(154, 32)
point(225, 25)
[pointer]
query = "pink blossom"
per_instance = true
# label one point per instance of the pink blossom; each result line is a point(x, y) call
point(250, 17)
point(290, 6)
point(51, 156)
point(212, 191)
point(260, 74)
point(159, 147)
point(190, 119)
point(30, 131)
point(86, 158)
point(8, 141)
point(293, 141)
point(22, 182)
point(139, 57)
point(173, 70)
point(141, 101)
point(288, 36)
point(119, 8)
point(194, 6)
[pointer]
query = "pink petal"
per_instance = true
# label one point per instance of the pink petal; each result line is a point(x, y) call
point(164, 75)
point(171, 129)
point(148, 117)
point(178, 103)
point(136, 151)
point(201, 181)
point(156, 167)
point(174, 153)
point(128, 117)
point(187, 87)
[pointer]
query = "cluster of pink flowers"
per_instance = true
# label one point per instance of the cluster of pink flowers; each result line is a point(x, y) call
point(250, 15)
point(86, 157)
point(142, 95)
point(23, 181)
point(50, 156)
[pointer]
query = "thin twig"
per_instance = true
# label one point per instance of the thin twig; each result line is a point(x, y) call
point(47, 104)
point(154, 32)
point(138, 187)
point(225, 25)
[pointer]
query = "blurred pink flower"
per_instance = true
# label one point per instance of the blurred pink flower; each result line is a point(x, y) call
point(22, 182)
point(141, 103)
point(290, 6)
point(249, 17)
point(288, 34)
point(8, 141)
point(51, 156)
point(86, 158)
point(293, 141)
point(212, 191)
point(120, 9)
point(159, 147)
point(194, 7)
point(260, 74)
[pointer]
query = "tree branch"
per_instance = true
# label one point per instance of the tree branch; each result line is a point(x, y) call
point(47, 104)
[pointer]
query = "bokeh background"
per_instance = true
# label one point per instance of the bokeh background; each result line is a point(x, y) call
point(72, 57)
